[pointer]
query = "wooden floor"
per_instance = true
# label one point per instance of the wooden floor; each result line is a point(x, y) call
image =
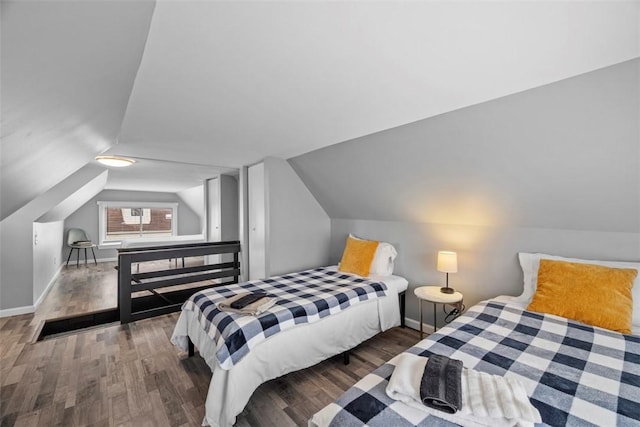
point(132, 376)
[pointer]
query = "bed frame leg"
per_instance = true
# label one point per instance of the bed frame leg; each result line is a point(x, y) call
point(345, 357)
point(401, 298)
point(192, 349)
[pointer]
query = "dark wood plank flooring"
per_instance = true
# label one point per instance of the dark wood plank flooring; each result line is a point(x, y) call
point(132, 376)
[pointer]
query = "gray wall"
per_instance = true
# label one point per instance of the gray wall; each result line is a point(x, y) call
point(552, 169)
point(16, 240)
point(487, 256)
point(229, 220)
point(299, 230)
point(194, 198)
point(87, 216)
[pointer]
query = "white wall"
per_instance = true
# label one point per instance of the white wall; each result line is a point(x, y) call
point(243, 221)
point(554, 169)
point(258, 221)
point(47, 255)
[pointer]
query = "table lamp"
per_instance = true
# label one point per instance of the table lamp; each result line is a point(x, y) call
point(447, 263)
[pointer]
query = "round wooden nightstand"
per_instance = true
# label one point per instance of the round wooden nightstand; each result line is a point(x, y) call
point(433, 295)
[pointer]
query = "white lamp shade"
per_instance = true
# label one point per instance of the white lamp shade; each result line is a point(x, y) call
point(447, 262)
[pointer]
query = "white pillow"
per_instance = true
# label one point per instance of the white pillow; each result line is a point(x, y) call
point(531, 262)
point(382, 264)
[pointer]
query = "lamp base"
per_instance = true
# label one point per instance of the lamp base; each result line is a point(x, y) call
point(447, 290)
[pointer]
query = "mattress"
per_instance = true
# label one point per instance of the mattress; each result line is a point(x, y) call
point(574, 374)
point(400, 284)
point(297, 348)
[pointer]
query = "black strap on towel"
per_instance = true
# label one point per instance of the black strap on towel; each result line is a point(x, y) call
point(441, 384)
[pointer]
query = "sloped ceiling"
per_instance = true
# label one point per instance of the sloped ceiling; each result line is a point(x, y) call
point(561, 156)
point(233, 82)
point(229, 83)
point(65, 193)
point(76, 199)
point(162, 176)
point(67, 72)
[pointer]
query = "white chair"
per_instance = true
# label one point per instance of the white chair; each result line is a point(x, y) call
point(78, 239)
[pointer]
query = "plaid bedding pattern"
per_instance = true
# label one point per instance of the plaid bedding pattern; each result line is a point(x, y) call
point(575, 374)
point(303, 297)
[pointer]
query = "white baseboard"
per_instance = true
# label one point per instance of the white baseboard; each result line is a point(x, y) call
point(414, 324)
point(27, 309)
point(48, 288)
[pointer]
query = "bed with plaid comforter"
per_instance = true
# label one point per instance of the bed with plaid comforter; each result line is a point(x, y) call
point(574, 374)
point(303, 297)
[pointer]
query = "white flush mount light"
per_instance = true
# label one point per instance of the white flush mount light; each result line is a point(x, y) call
point(115, 161)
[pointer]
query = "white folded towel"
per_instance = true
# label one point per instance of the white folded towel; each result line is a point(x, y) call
point(253, 309)
point(487, 400)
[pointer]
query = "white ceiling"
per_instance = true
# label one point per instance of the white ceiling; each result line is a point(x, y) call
point(232, 82)
point(163, 176)
point(222, 84)
point(67, 72)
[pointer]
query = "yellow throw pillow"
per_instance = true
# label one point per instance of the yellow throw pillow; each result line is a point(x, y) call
point(593, 294)
point(357, 256)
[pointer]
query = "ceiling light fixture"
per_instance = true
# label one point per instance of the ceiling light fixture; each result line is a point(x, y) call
point(115, 161)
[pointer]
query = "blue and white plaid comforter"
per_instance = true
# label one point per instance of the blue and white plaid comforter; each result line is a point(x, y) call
point(575, 374)
point(303, 297)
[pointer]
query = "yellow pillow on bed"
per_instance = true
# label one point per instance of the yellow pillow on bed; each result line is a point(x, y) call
point(593, 294)
point(357, 256)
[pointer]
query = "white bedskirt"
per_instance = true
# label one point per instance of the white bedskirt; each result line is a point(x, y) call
point(297, 348)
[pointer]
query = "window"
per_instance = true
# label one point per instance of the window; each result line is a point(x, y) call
point(130, 221)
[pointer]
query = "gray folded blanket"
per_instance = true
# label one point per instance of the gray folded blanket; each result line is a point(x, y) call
point(441, 385)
